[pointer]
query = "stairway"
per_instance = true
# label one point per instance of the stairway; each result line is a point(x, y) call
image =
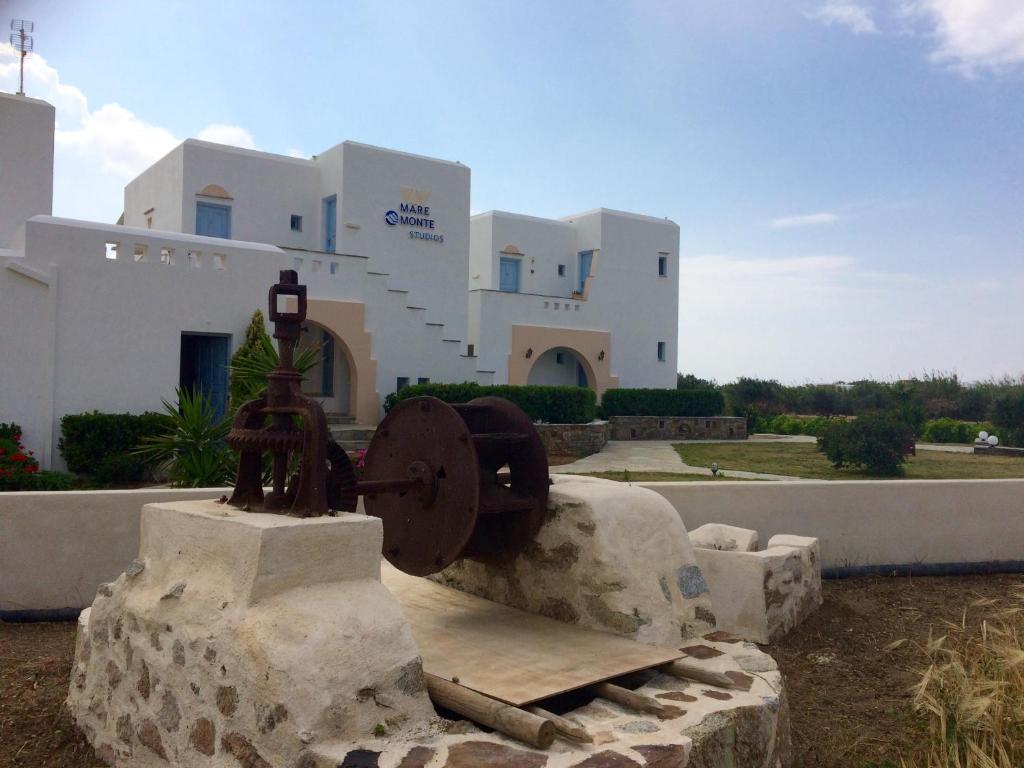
point(349, 435)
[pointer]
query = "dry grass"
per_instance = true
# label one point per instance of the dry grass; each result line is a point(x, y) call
point(973, 689)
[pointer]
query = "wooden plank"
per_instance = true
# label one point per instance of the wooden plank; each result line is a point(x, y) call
point(507, 654)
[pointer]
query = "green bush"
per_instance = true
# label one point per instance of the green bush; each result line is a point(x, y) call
point(554, 405)
point(792, 425)
point(662, 402)
point(99, 445)
point(1008, 417)
point(947, 430)
point(878, 443)
point(256, 357)
point(191, 446)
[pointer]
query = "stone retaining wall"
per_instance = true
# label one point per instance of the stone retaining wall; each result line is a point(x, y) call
point(678, 428)
point(573, 439)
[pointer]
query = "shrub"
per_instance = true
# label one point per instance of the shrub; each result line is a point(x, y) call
point(946, 430)
point(100, 445)
point(662, 402)
point(1008, 416)
point(875, 442)
point(190, 448)
point(554, 405)
point(17, 465)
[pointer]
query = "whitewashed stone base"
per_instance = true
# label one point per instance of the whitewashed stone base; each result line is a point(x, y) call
point(708, 727)
point(610, 556)
point(241, 639)
point(758, 595)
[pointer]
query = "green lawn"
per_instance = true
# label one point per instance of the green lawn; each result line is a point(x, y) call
point(804, 460)
point(652, 477)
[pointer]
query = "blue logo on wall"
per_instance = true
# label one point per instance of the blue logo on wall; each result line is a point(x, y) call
point(391, 217)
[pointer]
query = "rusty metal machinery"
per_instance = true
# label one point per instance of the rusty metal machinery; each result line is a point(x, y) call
point(433, 472)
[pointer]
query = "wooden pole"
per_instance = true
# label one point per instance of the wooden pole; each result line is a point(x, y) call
point(627, 698)
point(564, 727)
point(686, 671)
point(519, 724)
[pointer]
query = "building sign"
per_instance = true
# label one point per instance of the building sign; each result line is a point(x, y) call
point(413, 212)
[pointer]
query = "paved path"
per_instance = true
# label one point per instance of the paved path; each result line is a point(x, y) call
point(649, 456)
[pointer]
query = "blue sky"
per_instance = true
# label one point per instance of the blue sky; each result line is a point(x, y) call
point(848, 175)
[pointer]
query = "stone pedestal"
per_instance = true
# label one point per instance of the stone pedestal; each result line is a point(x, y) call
point(611, 557)
point(758, 595)
point(245, 639)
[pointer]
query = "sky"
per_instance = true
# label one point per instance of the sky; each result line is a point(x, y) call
point(847, 175)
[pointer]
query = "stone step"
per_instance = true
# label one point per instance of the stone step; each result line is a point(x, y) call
point(340, 418)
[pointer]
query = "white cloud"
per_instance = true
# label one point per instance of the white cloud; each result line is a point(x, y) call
point(857, 17)
point(234, 135)
point(785, 222)
point(973, 34)
point(98, 150)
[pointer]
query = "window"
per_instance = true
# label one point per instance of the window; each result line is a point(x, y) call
point(296, 223)
point(561, 270)
point(508, 276)
point(661, 351)
point(213, 220)
point(220, 261)
point(402, 383)
point(167, 256)
point(194, 259)
point(110, 251)
point(470, 350)
point(334, 267)
point(423, 380)
point(663, 266)
point(139, 252)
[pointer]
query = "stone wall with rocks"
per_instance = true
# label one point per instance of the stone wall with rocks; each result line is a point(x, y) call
point(758, 595)
point(678, 428)
point(573, 439)
point(242, 639)
point(610, 556)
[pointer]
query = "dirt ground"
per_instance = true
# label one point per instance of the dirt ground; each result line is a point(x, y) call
point(849, 698)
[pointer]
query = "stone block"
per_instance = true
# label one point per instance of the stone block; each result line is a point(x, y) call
point(727, 538)
point(678, 428)
point(573, 439)
point(761, 595)
point(246, 634)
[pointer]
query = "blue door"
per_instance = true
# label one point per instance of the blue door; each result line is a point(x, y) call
point(586, 258)
point(331, 223)
point(508, 279)
point(213, 220)
point(204, 367)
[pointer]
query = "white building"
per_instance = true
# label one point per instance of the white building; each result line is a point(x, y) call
point(404, 285)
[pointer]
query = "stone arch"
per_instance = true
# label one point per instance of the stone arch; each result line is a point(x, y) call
point(592, 348)
point(560, 366)
point(344, 320)
point(330, 380)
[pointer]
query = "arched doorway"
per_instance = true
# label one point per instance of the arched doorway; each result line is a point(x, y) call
point(330, 380)
point(560, 367)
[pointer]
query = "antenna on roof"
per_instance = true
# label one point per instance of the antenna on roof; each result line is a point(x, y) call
point(21, 40)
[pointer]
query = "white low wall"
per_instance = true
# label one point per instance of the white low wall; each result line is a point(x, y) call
point(917, 526)
point(57, 547)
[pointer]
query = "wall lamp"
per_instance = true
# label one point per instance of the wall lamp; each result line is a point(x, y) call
point(600, 355)
point(529, 353)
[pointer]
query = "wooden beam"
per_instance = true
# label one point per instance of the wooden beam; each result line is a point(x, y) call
point(686, 671)
point(564, 727)
point(519, 724)
point(627, 698)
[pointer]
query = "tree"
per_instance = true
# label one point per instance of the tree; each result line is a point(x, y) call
point(256, 357)
point(878, 443)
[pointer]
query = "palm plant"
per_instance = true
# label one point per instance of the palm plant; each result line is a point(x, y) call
point(191, 448)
